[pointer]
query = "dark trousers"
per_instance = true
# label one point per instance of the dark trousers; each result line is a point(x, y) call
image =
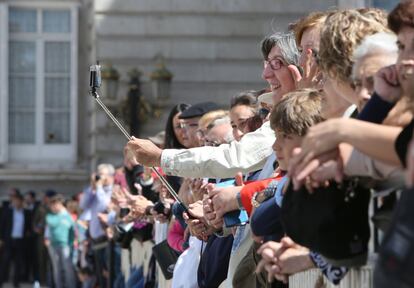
point(12, 256)
point(101, 264)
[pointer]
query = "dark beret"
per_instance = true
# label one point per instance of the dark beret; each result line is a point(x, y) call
point(199, 110)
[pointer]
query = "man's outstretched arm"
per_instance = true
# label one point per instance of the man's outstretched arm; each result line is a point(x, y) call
point(247, 155)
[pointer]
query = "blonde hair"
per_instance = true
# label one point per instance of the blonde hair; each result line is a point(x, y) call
point(297, 111)
point(342, 33)
point(209, 117)
point(314, 19)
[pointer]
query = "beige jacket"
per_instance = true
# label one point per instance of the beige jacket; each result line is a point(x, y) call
point(247, 155)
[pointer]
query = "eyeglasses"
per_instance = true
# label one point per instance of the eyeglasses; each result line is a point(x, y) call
point(189, 126)
point(212, 143)
point(275, 64)
point(179, 126)
point(366, 82)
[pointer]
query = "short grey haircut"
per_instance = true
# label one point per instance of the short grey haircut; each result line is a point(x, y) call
point(287, 44)
point(378, 43)
point(223, 121)
point(108, 167)
point(219, 121)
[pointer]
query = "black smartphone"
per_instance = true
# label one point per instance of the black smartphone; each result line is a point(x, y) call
point(124, 212)
point(159, 207)
point(236, 218)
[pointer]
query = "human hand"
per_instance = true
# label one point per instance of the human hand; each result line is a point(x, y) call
point(96, 181)
point(301, 173)
point(138, 204)
point(295, 74)
point(103, 218)
point(290, 260)
point(145, 152)
point(196, 209)
point(210, 214)
point(198, 228)
point(311, 76)
point(268, 253)
point(129, 158)
point(161, 213)
point(320, 139)
point(406, 77)
point(409, 172)
point(198, 188)
point(118, 196)
point(387, 85)
point(330, 170)
point(223, 199)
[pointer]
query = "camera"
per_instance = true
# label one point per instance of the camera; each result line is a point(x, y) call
point(97, 177)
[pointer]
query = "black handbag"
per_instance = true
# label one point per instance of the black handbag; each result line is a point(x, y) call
point(331, 221)
point(144, 233)
point(166, 257)
point(123, 237)
point(395, 265)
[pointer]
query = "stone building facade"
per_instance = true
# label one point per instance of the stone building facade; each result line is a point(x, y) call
point(52, 134)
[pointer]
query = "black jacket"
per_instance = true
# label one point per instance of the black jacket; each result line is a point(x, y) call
point(6, 224)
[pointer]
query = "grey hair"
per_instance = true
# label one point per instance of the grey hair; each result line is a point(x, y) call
point(287, 44)
point(108, 167)
point(219, 121)
point(382, 42)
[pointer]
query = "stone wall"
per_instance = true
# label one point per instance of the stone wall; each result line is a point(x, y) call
point(211, 47)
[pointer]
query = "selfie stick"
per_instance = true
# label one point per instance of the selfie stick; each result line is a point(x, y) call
point(95, 82)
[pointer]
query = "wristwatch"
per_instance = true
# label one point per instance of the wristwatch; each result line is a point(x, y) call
point(255, 203)
point(261, 196)
point(239, 201)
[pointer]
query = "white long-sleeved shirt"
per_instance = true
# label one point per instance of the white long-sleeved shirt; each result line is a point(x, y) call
point(247, 155)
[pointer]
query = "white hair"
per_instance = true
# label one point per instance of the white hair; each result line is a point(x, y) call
point(219, 121)
point(108, 167)
point(378, 43)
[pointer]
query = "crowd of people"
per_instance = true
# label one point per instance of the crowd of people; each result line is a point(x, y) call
point(278, 183)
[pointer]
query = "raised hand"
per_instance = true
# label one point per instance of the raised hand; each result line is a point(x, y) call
point(145, 152)
point(387, 85)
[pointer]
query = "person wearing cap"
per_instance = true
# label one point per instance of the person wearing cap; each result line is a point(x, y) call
point(191, 116)
point(281, 59)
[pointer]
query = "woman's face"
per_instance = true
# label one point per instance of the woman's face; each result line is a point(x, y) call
point(279, 77)
point(333, 105)
point(238, 116)
point(179, 130)
point(405, 60)
point(310, 40)
point(363, 73)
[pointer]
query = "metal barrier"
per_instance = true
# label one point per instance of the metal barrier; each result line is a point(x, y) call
point(356, 278)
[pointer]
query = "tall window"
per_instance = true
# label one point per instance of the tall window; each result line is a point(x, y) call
point(42, 56)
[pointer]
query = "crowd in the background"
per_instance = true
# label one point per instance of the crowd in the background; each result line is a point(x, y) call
point(277, 183)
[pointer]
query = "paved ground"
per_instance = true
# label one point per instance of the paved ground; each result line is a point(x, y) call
point(25, 285)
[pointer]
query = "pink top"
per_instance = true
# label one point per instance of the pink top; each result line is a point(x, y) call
point(175, 236)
